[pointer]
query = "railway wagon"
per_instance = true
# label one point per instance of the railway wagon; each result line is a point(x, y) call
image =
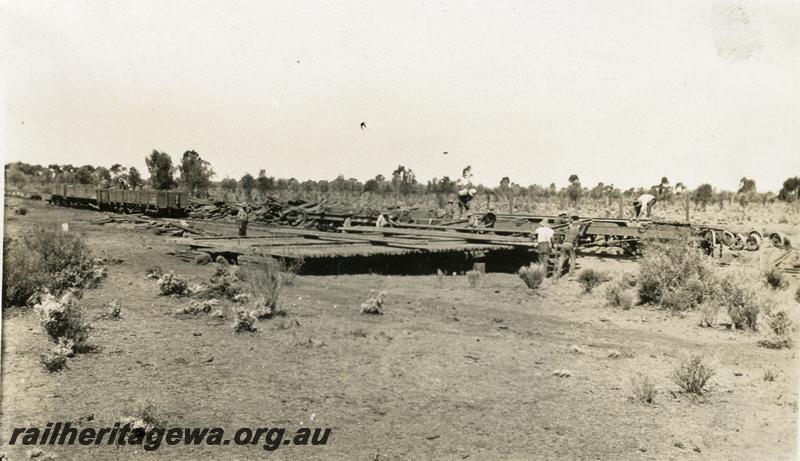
point(128, 201)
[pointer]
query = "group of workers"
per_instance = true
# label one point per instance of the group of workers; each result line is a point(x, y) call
point(572, 228)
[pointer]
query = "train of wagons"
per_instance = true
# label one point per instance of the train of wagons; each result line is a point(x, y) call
point(158, 202)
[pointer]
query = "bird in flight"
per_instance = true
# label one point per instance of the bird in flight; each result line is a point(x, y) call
point(363, 125)
point(445, 152)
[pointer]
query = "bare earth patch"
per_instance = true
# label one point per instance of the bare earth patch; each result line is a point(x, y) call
point(448, 371)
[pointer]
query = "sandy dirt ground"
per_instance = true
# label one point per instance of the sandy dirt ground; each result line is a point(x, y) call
point(448, 372)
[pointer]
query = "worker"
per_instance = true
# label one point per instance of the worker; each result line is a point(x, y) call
point(644, 203)
point(241, 220)
point(567, 250)
point(560, 220)
point(465, 196)
point(450, 210)
point(544, 240)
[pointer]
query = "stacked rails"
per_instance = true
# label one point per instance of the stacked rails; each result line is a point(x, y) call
point(357, 251)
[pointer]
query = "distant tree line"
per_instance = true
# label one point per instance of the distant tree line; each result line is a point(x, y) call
point(195, 174)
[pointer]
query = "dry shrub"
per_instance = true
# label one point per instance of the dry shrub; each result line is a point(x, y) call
point(619, 295)
point(263, 285)
point(590, 278)
point(46, 259)
point(244, 320)
point(154, 272)
point(692, 375)
point(62, 321)
point(775, 279)
point(778, 328)
point(797, 295)
point(114, 310)
point(674, 276)
point(172, 285)
point(769, 376)
point(629, 279)
point(474, 278)
point(54, 360)
point(198, 307)
point(374, 303)
point(644, 390)
point(739, 294)
point(532, 275)
point(289, 269)
point(144, 419)
point(708, 313)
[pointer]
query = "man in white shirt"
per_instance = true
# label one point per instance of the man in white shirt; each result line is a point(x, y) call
point(644, 203)
point(544, 238)
point(241, 220)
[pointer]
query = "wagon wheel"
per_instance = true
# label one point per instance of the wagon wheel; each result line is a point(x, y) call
point(728, 238)
point(739, 242)
point(753, 241)
point(778, 240)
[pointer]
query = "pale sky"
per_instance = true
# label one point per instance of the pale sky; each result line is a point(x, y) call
point(623, 92)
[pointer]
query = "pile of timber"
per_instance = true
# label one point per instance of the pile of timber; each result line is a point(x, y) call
point(299, 213)
point(172, 227)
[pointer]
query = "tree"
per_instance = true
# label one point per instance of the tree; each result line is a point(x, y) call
point(704, 194)
point(371, 186)
point(466, 173)
point(135, 180)
point(196, 173)
point(574, 190)
point(746, 186)
point(15, 176)
point(403, 180)
point(264, 184)
point(229, 185)
point(247, 183)
point(101, 174)
point(84, 174)
point(159, 164)
point(790, 190)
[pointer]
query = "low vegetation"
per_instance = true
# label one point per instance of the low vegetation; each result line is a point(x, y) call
point(263, 283)
point(533, 275)
point(644, 390)
point(737, 292)
point(674, 276)
point(619, 294)
point(693, 376)
point(374, 303)
point(590, 278)
point(172, 285)
point(244, 321)
point(62, 320)
point(775, 279)
point(778, 328)
point(46, 260)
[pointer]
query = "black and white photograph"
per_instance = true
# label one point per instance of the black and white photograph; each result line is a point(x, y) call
point(400, 230)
